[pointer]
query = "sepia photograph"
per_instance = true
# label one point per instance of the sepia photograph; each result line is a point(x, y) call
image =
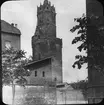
point(52, 52)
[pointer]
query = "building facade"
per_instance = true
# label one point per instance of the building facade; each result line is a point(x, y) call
point(10, 35)
point(95, 77)
point(41, 72)
point(45, 44)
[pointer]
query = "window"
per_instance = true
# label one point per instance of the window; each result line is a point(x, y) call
point(7, 44)
point(35, 73)
point(43, 74)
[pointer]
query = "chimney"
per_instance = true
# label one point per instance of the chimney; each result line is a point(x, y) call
point(16, 25)
point(12, 24)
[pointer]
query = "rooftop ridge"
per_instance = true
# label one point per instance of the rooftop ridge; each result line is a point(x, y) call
point(9, 28)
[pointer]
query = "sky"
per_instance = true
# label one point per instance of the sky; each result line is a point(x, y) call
point(24, 13)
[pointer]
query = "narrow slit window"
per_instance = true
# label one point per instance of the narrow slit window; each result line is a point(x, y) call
point(43, 74)
point(35, 73)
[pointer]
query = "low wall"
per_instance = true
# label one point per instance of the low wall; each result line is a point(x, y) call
point(70, 97)
point(30, 95)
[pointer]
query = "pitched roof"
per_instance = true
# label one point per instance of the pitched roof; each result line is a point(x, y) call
point(8, 28)
point(39, 63)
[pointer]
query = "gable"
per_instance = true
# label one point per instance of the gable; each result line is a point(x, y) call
point(8, 28)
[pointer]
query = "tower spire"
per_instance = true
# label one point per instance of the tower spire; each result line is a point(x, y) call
point(45, 2)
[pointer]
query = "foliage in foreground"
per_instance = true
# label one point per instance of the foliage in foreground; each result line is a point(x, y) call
point(81, 85)
point(90, 34)
point(12, 66)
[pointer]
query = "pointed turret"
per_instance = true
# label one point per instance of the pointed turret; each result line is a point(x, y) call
point(46, 7)
point(45, 2)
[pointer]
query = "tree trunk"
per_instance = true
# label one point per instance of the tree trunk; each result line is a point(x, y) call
point(13, 93)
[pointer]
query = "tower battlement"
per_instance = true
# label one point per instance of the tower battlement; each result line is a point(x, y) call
point(46, 7)
point(45, 42)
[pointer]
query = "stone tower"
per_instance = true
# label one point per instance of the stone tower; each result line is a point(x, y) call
point(44, 42)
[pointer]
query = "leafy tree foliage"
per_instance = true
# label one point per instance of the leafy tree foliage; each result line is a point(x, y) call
point(81, 85)
point(90, 33)
point(13, 71)
point(12, 66)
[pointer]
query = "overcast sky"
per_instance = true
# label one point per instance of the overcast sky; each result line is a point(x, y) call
point(24, 13)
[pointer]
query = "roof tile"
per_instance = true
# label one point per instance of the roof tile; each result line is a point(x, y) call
point(6, 27)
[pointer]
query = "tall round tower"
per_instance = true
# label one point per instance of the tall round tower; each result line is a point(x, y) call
point(46, 20)
point(44, 41)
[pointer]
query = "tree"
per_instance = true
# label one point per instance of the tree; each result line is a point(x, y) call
point(90, 33)
point(81, 85)
point(13, 71)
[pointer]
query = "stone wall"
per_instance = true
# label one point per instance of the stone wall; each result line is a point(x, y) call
point(39, 79)
point(56, 71)
point(30, 95)
point(70, 96)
